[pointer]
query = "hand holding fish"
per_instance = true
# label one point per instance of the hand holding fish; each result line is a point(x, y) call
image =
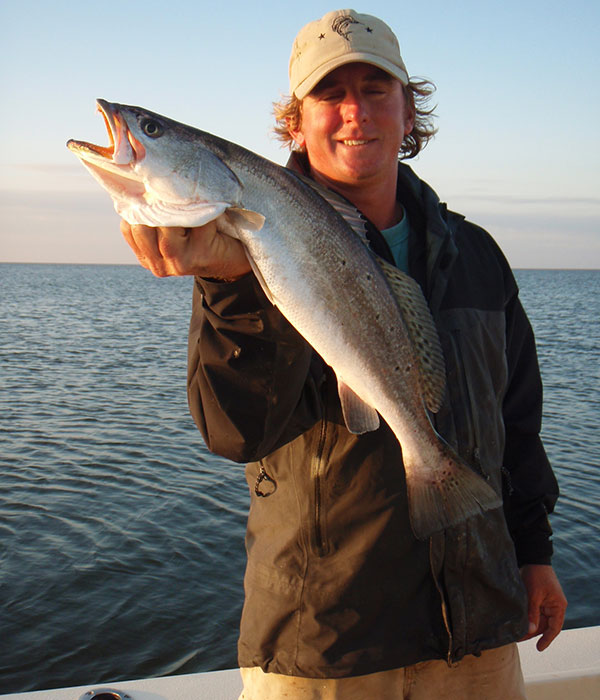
point(177, 251)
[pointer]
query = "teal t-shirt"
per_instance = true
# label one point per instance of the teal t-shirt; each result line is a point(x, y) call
point(397, 239)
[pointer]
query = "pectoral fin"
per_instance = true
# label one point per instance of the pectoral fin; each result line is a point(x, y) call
point(245, 219)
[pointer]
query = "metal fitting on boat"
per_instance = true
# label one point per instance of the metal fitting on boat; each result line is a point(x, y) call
point(105, 694)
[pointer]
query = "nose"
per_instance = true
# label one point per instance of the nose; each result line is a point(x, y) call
point(354, 109)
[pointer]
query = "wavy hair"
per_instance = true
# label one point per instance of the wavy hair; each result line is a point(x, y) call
point(418, 92)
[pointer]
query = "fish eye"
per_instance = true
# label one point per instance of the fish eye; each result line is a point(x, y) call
point(151, 128)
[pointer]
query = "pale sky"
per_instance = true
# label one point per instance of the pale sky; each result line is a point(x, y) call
point(518, 148)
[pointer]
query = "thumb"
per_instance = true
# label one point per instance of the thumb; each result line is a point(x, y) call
point(533, 614)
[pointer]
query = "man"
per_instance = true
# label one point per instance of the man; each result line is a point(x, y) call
point(342, 601)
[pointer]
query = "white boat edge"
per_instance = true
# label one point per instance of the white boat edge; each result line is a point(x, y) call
point(569, 668)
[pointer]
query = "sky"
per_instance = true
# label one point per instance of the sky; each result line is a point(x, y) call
point(518, 103)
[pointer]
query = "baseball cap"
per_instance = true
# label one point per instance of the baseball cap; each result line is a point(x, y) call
point(339, 37)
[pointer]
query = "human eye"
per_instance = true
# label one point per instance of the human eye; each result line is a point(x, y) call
point(376, 89)
point(331, 95)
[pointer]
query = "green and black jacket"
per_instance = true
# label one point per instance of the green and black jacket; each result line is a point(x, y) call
point(336, 584)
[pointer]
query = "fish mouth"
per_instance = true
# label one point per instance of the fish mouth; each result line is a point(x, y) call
point(115, 165)
point(123, 148)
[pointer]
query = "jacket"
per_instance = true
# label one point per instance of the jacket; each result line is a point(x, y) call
point(336, 584)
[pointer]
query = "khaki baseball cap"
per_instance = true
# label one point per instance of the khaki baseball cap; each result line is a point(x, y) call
point(340, 37)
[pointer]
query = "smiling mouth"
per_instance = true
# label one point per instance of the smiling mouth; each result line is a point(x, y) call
point(356, 142)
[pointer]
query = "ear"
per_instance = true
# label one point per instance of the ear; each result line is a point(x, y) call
point(409, 119)
point(297, 135)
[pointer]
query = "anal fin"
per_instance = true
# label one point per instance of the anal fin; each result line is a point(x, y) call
point(358, 415)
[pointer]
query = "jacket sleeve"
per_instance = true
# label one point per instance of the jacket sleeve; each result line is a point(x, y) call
point(250, 387)
point(531, 489)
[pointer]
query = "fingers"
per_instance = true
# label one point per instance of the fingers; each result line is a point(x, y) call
point(547, 604)
point(172, 250)
point(139, 239)
point(203, 250)
point(164, 249)
point(160, 250)
point(551, 622)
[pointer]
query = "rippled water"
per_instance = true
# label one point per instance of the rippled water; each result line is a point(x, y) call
point(564, 309)
point(121, 537)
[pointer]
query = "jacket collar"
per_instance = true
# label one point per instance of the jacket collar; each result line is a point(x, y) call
point(436, 232)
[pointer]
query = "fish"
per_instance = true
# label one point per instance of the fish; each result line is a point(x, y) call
point(367, 320)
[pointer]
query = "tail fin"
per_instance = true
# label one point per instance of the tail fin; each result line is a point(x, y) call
point(446, 496)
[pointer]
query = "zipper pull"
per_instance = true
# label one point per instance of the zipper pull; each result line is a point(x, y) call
point(269, 487)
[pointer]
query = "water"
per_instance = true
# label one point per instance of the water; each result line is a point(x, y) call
point(121, 537)
point(564, 309)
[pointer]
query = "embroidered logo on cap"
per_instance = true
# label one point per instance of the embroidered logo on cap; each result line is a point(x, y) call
point(340, 25)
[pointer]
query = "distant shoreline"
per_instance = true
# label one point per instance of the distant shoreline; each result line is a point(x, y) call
point(119, 264)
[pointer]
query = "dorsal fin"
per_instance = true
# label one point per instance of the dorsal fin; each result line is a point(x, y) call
point(410, 299)
point(423, 333)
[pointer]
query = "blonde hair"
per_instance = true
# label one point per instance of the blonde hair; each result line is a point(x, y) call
point(288, 115)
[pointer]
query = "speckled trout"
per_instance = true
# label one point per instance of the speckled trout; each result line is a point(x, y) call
point(366, 319)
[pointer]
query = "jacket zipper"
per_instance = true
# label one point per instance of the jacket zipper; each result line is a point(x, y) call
point(317, 472)
point(443, 604)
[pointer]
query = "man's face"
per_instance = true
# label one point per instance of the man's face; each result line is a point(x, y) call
point(353, 124)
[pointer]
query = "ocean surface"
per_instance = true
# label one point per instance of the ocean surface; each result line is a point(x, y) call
point(121, 537)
